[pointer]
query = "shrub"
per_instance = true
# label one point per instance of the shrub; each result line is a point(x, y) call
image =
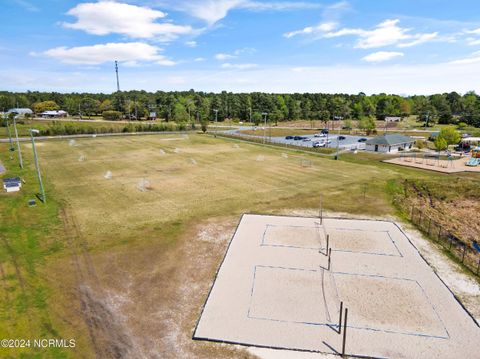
point(112, 115)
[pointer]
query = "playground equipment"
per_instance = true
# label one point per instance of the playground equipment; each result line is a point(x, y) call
point(476, 152)
point(475, 160)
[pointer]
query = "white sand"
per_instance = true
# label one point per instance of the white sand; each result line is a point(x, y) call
point(274, 292)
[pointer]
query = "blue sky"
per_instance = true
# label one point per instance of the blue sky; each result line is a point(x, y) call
point(395, 46)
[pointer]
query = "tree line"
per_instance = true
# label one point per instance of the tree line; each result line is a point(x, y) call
point(183, 106)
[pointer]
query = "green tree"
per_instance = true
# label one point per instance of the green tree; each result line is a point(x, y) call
point(40, 107)
point(440, 143)
point(367, 124)
point(450, 135)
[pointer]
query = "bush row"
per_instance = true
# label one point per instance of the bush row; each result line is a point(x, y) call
point(68, 129)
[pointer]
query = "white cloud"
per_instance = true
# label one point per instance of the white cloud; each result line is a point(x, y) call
point(199, 59)
point(280, 5)
point(211, 11)
point(108, 17)
point(27, 5)
point(224, 57)
point(228, 65)
point(419, 39)
point(472, 41)
point(320, 28)
point(386, 33)
point(382, 56)
point(130, 52)
point(191, 43)
point(472, 59)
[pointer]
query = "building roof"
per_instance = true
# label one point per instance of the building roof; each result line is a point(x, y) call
point(390, 140)
point(12, 180)
point(20, 110)
point(53, 113)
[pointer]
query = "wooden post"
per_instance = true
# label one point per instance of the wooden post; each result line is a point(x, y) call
point(340, 319)
point(344, 332)
point(328, 244)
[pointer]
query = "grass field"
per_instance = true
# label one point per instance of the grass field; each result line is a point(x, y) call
point(120, 252)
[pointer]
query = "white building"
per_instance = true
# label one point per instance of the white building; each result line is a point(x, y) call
point(20, 111)
point(54, 114)
point(390, 143)
point(393, 119)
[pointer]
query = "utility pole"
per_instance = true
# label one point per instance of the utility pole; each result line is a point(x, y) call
point(337, 155)
point(42, 190)
point(20, 159)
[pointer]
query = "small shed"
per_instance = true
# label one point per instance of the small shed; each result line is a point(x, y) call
point(390, 143)
point(12, 184)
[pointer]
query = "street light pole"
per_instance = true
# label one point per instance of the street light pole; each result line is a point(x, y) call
point(216, 117)
point(20, 159)
point(265, 128)
point(337, 155)
point(9, 134)
point(42, 190)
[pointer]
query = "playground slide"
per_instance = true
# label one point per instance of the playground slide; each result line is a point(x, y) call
point(473, 162)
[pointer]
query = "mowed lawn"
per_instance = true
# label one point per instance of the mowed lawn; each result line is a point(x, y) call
point(196, 177)
point(135, 234)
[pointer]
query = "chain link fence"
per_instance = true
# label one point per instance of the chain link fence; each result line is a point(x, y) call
point(455, 246)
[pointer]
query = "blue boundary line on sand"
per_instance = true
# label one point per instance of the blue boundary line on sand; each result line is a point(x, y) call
point(390, 331)
point(194, 337)
point(264, 244)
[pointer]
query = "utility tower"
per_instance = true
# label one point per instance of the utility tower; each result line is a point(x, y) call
point(116, 71)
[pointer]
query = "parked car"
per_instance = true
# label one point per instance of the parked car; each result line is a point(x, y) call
point(319, 135)
point(363, 139)
point(325, 131)
point(318, 144)
point(289, 137)
point(297, 138)
point(306, 139)
point(328, 141)
point(341, 138)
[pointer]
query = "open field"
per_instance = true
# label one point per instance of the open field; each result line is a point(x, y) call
point(276, 289)
point(135, 228)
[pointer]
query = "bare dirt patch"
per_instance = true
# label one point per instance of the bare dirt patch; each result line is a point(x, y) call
point(160, 291)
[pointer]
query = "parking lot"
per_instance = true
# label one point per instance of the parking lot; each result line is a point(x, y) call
point(309, 140)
